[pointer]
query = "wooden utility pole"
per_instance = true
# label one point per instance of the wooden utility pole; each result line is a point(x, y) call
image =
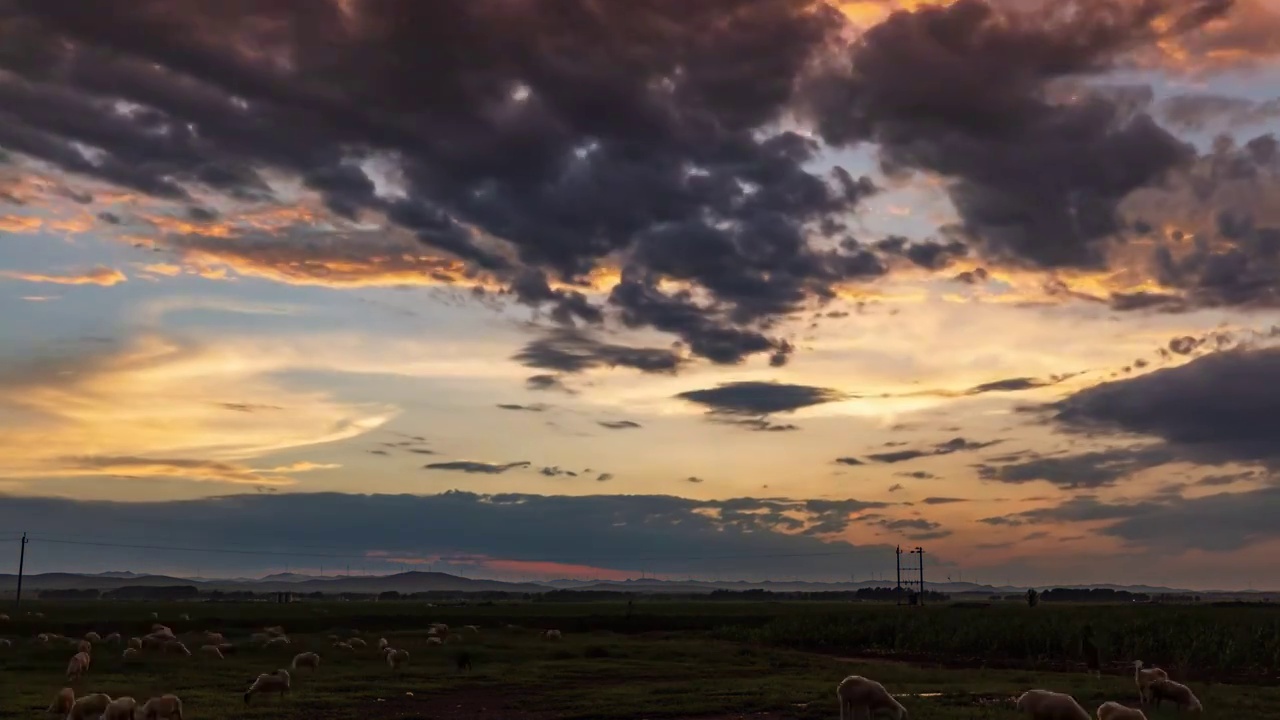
point(22, 561)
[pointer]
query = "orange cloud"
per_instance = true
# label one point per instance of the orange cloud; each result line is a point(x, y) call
point(100, 275)
point(20, 224)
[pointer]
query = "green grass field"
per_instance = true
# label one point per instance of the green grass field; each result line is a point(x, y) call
point(664, 660)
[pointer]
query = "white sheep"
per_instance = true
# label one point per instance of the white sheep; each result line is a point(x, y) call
point(132, 654)
point(1047, 705)
point(306, 659)
point(84, 646)
point(78, 666)
point(276, 642)
point(176, 647)
point(277, 681)
point(92, 637)
point(259, 638)
point(1115, 711)
point(861, 697)
point(168, 707)
point(396, 658)
point(434, 641)
point(274, 630)
point(551, 635)
point(135, 643)
point(356, 642)
point(383, 644)
point(153, 642)
point(1144, 678)
point(213, 638)
point(212, 651)
point(440, 628)
point(163, 631)
point(342, 646)
point(1181, 695)
point(122, 708)
point(112, 639)
point(62, 702)
point(43, 638)
point(89, 707)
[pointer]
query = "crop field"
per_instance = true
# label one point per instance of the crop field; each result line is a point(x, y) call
point(653, 659)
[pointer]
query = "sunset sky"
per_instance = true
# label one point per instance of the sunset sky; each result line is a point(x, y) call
point(743, 289)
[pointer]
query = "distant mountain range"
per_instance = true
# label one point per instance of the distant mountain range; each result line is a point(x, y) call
point(413, 582)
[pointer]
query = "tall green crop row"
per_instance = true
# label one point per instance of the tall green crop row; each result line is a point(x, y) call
point(1204, 640)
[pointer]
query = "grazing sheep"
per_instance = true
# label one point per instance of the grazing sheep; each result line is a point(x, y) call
point(553, 635)
point(342, 646)
point(212, 651)
point(163, 631)
point(1116, 711)
point(135, 643)
point(440, 628)
point(155, 616)
point(471, 628)
point(174, 646)
point(274, 630)
point(383, 644)
point(78, 666)
point(306, 659)
point(277, 681)
point(434, 641)
point(155, 642)
point(122, 708)
point(112, 639)
point(396, 658)
point(259, 638)
point(1181, 695)
point(168, 707)
point(83, 646)
point(184, 617)
point(213, 638)
point(62, 702)
point(92, 637)
point(1046, 705)
point(1144, 678)
point(432, 632)
point(43, 638)
point(132, 654)
point(356, 642)
point(277, 642)
point(226, 648)
point(862, 698)
point(89, 707)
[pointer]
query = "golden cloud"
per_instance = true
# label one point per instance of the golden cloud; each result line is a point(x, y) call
point(100, 275)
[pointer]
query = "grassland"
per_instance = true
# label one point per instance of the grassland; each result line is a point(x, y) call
point(657, 659)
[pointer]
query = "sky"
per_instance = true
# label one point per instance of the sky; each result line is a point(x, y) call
point(737, 289)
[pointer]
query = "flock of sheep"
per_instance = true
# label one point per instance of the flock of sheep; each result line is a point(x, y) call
point(100, 706)
point(860, 698)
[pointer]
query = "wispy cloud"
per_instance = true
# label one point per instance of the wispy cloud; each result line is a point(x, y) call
point(100, 276)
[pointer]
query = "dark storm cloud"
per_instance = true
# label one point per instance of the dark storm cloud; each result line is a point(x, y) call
point(618, 424)
point(536, 139)
point(524, 408)
point(953, 445)
point(546, 382)
point(741, 535)
point(481, 468)
point(849, 461)
point(914, 528)
point(1096, 469)
point(760, 398)
point(962, 91)
point(1222, 407)
point(573, 351)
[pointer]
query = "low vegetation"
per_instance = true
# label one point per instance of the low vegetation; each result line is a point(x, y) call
point(649, 659)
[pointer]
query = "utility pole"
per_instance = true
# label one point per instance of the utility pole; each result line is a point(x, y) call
point(920, 551)
point(22, 561)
